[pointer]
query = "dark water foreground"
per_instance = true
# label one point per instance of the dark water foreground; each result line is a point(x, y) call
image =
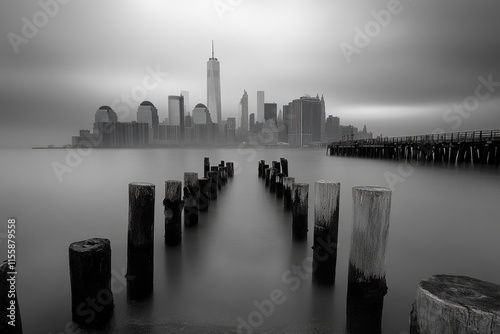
point(444, 220)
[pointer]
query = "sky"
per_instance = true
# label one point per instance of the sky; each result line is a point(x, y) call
point(424, 66)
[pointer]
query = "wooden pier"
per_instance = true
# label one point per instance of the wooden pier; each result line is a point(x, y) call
point(474, 147)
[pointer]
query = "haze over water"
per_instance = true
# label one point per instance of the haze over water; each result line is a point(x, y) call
point(444, 220)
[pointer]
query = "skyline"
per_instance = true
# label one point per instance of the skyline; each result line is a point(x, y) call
point(405, 81)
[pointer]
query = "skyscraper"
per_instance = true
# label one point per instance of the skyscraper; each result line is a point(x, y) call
point(213, 87)
point(260, 106)
point(185, 94)
point(305, 121)
point(252, 121)
point(104, 115)
point(201, 114)
point(244, 112)
point(147, 113)
point(270, 111)
point(176, 113)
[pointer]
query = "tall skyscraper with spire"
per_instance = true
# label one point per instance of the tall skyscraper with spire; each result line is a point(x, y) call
point(244, 112)
point(213, 87)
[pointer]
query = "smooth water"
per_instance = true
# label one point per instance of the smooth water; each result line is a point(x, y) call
point(444, 220)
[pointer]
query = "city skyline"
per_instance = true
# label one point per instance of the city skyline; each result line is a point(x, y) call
point(407, 78)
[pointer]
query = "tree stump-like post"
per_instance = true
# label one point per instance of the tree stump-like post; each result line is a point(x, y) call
point(455, 304)
point(272, 179)
point(264, 167)
point(173, 212)
point(140, 243)
point(191, 195)
point(204, 198)
point(284, 166)
point(287, 192)
point(261, 168)
point(219, 181)
point(267, 173)
point(326, 230)
point(277, 165)
point(9, 312)
point(206, 166)
point(224, 175)
point(213, 177)
point(230, 169)
point(300, 209)
point(279, 185)
point(90, 275)
point(366, 279)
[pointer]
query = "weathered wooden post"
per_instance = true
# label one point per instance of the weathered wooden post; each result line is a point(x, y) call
point(287, 192)
point(366, 279)
point(140, 244)
point(284, 166)
point(224, 175)
point(272, 179)
point(191, 195)
point(206, 166)
point(204, 198)
point(264, 167)
point(219, 181)
point(261, 168)
point(326, 230)
point(279, 185)
point(277, 165)
point(300, 209)
point(267, 173)
point(90, 276)
point(455, 304)
point(230, 169)
point(213, 177)
point(10, 321)
point(173, 211)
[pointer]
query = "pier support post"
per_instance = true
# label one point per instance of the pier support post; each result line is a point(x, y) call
point(267, 173)
point(90, 276)
point(206, 166)
point(326, 230)
point(272, 179)
point(287, 192)
point(219, 177)
point(230, 169)
point(279, 184)
point(300, 209)
point(191, 195)
point(284, 166)
point(173, 211)
point(277, 165)
point(5, 302)
point(204, 198)
point(213, 181)
point(140, 242)
point(455, 304)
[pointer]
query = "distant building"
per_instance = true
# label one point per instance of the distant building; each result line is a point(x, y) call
point(332, 128)
point(201, 115)
point(305, 121)
point(270, 111)
point(185, 95)
point(176, 113)
point(213, 87)
point(231, 130)
point(147, 113)
point(260, 106)
point(244, 112)
point(252, 122)
point(127, 134)
point(104, 115)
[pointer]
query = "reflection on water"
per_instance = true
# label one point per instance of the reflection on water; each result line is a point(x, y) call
point(444, 220)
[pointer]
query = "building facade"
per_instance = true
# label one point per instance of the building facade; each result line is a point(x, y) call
point(213, 88)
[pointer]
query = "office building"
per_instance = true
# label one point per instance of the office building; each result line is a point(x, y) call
point(252, 121)
point(244, 112)
point(176, 113)
point(260, 106)
point(213, 87)
point(147, 113)
point(201, 115)
point(305, 121)
point(270, 111)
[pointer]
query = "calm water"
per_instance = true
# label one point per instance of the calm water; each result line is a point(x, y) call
point(444, 220)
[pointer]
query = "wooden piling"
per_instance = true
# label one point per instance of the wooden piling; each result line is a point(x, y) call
point(287, 192)
point(219, 177)
point(300, 208)
point(90, 277)
point(8, 312)
point(191, 195)
point(277, 165)
point(272, 179)
point(371, 216)
point(326, 230)
point(204, 197)
point(224, 175)
point(230, 169)
point(267, 173)
point(140, 242)
point(284, 166)
point(213, 177)
point(206, 166)
point(173, 205)
point(455, 304)
point(261, 168)
point(279, 184)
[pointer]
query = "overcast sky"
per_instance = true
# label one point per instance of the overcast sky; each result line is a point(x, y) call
point(426, 58)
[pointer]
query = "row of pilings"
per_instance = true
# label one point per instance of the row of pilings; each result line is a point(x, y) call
point(476, 148)
point(90, 260)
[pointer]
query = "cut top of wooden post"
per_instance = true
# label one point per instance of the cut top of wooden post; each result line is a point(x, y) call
point(326, 202)
point(456, 304)
point(370, 230)
point(173, 190)
point(300, 196)
point(90, 245)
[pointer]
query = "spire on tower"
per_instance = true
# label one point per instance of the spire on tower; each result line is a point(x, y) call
point(213, 48)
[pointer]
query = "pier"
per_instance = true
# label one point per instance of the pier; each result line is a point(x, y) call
point(480, 147)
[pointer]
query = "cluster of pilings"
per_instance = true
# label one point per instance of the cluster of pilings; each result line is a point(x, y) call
point(90, 260)
point(475, 147)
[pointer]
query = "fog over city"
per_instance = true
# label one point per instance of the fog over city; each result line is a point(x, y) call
point(400, 74)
